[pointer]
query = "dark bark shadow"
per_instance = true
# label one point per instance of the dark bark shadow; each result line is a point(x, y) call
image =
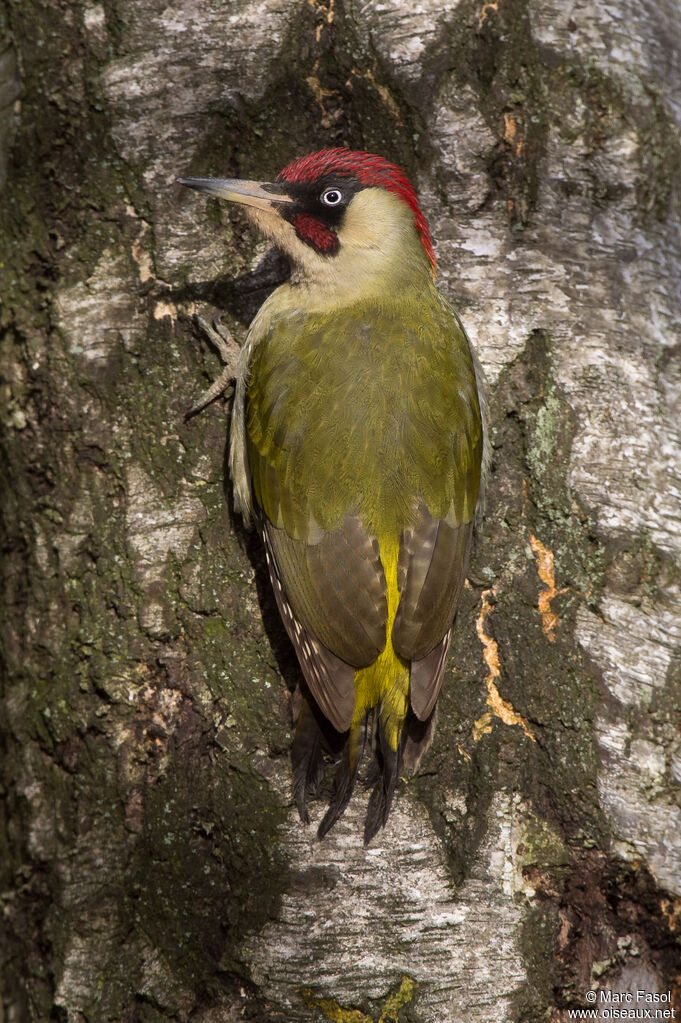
point(282, 648)
point(241, 296)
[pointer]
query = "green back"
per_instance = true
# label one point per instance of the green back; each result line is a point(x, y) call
point(364, 409)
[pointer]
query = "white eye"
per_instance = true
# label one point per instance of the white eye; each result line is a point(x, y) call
point(332, 197)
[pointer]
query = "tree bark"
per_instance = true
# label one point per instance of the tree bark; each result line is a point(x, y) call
point(153, 866)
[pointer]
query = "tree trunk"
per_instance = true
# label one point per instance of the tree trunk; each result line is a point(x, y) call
point(153, 866)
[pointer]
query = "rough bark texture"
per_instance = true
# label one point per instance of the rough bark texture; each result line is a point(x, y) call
point(153, 867)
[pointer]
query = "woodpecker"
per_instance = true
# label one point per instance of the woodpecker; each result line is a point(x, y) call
point(357, 447)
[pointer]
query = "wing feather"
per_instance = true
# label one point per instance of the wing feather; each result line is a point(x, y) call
point(330, 679)
point(431, 573)
point(336, 588)
point(427, 674)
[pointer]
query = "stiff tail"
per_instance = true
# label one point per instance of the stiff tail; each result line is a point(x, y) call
point(382, 778)
point(346, 772)
point(314, 738)
point(315, 742)
point(386, 768)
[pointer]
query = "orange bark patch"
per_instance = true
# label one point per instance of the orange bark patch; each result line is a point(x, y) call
point(486, 8)
point(463, 752)
point(482, 726)
point(327, 14)
point(327, 99)
point(549, 619)
point(511, 134)
point(382, 90)
point(490, 652)
point(671, 908)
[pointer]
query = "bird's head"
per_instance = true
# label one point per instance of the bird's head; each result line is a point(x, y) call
point(347, 220)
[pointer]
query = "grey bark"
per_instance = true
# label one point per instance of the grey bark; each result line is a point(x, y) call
point(153, 867)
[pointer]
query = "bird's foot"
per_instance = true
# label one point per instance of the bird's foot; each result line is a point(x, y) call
point(228, 349)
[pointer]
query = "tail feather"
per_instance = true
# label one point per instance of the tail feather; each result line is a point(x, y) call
point(314, 744)
point(384, 774)
point(307, 758)
point(346, 772)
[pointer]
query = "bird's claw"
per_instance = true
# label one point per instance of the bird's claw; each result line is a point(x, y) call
point(220, 337)
point(220, 386)
point(228, 349)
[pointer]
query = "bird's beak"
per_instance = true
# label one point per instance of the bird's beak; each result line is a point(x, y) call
point(249, 193)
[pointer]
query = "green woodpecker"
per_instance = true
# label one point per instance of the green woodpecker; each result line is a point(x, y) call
point(357, 447)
